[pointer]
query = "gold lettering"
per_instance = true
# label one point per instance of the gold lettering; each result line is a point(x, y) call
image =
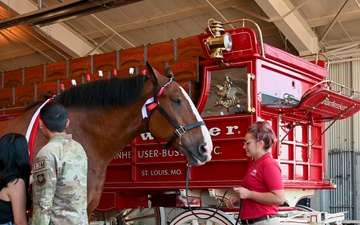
point(333, 104)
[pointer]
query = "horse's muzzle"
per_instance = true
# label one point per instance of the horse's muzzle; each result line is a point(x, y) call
point(201, 156)
point(204, 152)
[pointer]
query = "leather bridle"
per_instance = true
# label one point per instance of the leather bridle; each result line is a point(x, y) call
point(153, 104)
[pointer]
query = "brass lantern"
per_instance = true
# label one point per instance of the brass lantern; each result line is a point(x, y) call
point(218, 42)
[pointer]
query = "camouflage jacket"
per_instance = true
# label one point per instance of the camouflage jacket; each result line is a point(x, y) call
point(60, 183)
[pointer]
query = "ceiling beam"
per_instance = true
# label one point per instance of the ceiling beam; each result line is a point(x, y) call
point(58, 34)
point(292, 25)
point(22, 53)
point(56, 13)
point(172, 16)
point(326, 20)
point(17, 37)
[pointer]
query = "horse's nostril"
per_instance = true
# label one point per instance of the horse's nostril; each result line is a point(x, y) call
point(202, 149)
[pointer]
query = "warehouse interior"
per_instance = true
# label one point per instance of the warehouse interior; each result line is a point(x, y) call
point(35, 32)
point(40, 32)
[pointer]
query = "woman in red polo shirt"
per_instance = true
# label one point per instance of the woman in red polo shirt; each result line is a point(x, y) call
point(262, 190)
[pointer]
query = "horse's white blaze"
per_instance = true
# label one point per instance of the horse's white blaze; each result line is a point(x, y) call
point(205, 132)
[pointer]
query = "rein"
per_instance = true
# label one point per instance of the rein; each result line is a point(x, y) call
point(154, 103)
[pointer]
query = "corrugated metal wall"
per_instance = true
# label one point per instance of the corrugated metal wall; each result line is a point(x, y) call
point(342, 164)
point(342, 144)
point(356, 117)
point(357, 187)
point(341, 135)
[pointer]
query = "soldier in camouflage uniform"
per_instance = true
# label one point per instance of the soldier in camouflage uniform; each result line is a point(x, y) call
point(60, 173)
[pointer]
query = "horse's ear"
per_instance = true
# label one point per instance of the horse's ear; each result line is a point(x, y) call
point(168, 72)
point(152, 73)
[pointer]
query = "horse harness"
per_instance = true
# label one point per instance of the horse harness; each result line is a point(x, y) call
point(153, 103)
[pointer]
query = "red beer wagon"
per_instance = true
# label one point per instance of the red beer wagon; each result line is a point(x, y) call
point(241, 81)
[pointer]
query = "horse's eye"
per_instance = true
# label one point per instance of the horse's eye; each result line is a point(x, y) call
point(177, 101)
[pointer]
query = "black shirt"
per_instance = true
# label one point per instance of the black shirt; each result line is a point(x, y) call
point(6, 213)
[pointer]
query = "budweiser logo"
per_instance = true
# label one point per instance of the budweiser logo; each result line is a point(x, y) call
point(333, 104)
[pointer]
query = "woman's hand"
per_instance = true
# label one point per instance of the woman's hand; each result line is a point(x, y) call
point(242, 192)
point(234, 202)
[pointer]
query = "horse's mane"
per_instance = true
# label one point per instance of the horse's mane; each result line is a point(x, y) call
point(110, 92)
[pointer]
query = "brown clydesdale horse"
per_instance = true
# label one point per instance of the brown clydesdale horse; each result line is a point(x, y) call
point(106, 115)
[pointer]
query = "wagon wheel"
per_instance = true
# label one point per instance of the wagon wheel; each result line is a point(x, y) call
point(188, 217)
point(142, 216)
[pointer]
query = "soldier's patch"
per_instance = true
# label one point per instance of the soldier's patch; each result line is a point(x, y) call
point(40, 179)
point(39, 165)
point(42, 173)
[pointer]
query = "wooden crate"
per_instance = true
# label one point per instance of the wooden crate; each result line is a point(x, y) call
point(13, 78)
point(34, 74)
point(161, 52)
point(56, 71)
point(105, 62)
point(6, 97)
point(189, 47)
point(79, 67)
point(48, 88)
point(185, 69)
point(131, 57)
point(25, 94)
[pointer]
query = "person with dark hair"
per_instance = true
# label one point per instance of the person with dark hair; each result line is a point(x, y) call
point(60, 173)
point(262, 189)
point(15, 172)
